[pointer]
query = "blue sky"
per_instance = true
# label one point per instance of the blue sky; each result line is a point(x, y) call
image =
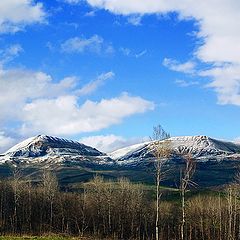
point(105, 72)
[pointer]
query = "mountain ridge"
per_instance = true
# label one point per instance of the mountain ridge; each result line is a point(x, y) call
point(202, 148)
point(50, 141)
point(217, 161)
point(44, 148)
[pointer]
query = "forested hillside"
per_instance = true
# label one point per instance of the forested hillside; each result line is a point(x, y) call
point(118, 210)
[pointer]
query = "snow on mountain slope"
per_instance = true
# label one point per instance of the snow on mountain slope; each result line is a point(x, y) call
point(43, 148)
point(20, 145)
point(42, 145)
point(202, 148)
point(54, 150)
point(127, 150)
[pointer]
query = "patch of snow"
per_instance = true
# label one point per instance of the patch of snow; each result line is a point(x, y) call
point(127, 150)
point(21, 145)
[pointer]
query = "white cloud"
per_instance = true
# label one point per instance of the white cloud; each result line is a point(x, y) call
point(15, 14)
point(19, 86)
point(226, 83)
point(129, 53)
point(64, 116)
point(135, 20)
point(79, 45)
point(125, 51)
point(5, 142)
point(92, 86)
point(126, 7)
point(73, 1)
point(38, 104)
point(184, 83)
point(187, 67)
point(109, 143)
point(93, 44)
point(10, 53)
point(140, 54)
point(218, 23)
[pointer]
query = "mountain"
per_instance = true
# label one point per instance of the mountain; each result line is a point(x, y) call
point(52, 150)
point(217, 161)
point(202, 148)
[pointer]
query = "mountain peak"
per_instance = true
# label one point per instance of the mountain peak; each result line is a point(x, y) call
point(42, 145)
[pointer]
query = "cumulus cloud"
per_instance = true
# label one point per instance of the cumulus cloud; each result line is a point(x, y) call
point(64, 116)
point(19, 86)
point(218, 23)
point(38, 104)
point(94, 44)
point(226, 82)
point(187, 67)
point(15, 15)
point(109, 143)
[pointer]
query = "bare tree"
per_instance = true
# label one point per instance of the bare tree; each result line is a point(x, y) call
point(159, 133)
point(161, 148)
point(186, 182)
point(50, 188)
point(232, 194)
point(17, 185)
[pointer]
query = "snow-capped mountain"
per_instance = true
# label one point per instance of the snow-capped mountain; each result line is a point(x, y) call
point(217, 160)
point(202, 148)
point(50, 149)
point(54, 150)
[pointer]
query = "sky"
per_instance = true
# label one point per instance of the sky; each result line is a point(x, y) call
point(104, 72)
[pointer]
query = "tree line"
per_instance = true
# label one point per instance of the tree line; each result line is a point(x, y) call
point(117, 210)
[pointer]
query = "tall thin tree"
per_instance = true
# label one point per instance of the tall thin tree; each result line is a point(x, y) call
point(50, 188)
point(161, 149)
point(185, 182)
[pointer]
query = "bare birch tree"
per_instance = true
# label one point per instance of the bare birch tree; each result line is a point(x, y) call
point(185, 182)
point(50, 188)
point(161, 148)
point(17, 186)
